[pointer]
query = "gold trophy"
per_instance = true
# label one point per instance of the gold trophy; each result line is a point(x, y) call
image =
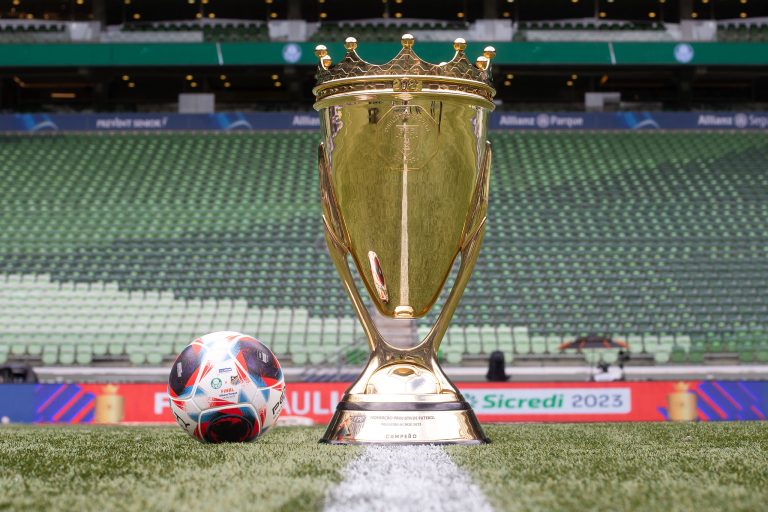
point(404, 173)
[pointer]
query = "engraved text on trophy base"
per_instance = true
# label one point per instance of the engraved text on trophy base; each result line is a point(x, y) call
point(360, 427)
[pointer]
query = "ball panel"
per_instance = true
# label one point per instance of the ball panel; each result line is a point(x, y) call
point(229, 424)
point(220, 383)
point(259, 361)
point(274, 407)
point(186, 414)
point(185, 370)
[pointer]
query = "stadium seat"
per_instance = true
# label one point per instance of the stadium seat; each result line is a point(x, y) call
point(653, 238)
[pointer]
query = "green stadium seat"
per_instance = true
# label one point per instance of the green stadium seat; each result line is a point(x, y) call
point(654, 238)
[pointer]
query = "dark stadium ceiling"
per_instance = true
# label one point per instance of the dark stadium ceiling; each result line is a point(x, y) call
point(139, 11)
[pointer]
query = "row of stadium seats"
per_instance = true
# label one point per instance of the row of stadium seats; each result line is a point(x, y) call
point(60, 322)
point(125, 247)
point(378, 31)
point(610, 26)
point(258, 32)
point(743, 32)
point(85, 323)
point(32, 33)
point(232, 32)
point(37, 28)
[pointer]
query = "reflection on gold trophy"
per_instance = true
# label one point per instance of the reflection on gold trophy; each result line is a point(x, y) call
point(404, 174)
point(682, 404)
point(109, 405)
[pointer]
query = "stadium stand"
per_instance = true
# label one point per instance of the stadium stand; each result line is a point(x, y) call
point(655, 238)
point(32, 33)
point(233, 31)
point(383, 32)
point(592, 30)
point(589, 25)
point(753, 32)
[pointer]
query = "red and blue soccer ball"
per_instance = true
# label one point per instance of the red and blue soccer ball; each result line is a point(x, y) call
point(226, 387)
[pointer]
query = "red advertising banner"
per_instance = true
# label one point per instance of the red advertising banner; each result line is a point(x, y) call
point(493, 402)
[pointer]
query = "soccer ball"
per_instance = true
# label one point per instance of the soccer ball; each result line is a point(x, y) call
point(226, 387)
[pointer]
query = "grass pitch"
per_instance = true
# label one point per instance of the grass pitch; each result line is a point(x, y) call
point(163, 469)
point(642, 466)
point(645, 467)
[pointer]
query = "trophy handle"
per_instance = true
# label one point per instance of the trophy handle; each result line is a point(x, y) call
point(472, 237)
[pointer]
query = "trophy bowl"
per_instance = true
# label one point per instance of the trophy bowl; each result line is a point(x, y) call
point(404, 173)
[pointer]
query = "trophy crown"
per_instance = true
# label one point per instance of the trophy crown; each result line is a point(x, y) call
point(406, 72)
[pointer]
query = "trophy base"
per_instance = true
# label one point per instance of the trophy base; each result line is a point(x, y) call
point(404, 423)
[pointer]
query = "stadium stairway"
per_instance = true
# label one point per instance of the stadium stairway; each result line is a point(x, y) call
point(121, 248)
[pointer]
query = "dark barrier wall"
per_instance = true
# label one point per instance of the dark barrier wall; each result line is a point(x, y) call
point(309, 121)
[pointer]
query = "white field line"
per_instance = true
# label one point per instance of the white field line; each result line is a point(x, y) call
point(405, 478)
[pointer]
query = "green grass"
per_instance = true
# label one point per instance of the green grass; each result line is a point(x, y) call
point(653, 466)
point(161, 468)
point(648, 467)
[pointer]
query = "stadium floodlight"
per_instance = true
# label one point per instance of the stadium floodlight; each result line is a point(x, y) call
point(404, 175)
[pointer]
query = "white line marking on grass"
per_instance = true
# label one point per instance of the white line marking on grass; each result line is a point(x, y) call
point(405, 478)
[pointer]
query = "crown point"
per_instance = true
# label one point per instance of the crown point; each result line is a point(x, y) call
point(482, 62)
point(325, 61)
point(489, 52)
point(350, 43)
point(407, 40)
point(321, 51)
point(459, 44)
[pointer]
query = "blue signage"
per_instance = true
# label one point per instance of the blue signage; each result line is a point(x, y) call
point(260, 121)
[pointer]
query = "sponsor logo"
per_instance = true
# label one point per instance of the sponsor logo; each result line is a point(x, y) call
point(264, 357)
point(683, 53)
point(311, 403)
point(758, 121)
point(161, 402)
point(279, 405)
point(714, 120)
point(739, 120)
point(352, 426)
point(216, 383)
point(291, 53)
point(225, 370)
point(542, 120)
point(516, 121)
point(227, 392)
point(550, 401)
point(305, 120)
point(137, 123)
point(566, 121)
